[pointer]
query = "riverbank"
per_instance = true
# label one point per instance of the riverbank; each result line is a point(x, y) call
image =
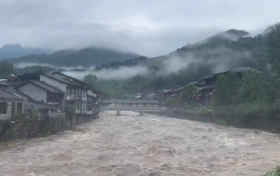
point(136, 145)
point(268, 125)
point(27, 129)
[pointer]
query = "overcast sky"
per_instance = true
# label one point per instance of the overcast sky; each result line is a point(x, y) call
point(147, 27)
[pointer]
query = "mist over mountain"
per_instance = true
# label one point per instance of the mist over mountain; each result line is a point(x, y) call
point(73, 58)
point(232, 48)
point(16, 50)
point(121, 72)
point(224, 50)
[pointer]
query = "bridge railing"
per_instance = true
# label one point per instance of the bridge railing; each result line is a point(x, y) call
point(132, 108)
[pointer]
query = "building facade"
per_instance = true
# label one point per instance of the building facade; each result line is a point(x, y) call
point(62, 90)
point(10, 105)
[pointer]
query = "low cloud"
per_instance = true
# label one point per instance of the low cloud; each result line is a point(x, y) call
point(121, 73)
point(220, 59)
point(28, 64)
point(148, 28)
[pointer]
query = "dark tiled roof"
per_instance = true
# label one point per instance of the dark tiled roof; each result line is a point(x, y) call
point(42, 85)
point(56, 78)
point(47, 86)
point(28, 105)
point(69, 77)
point(5, 95)
point(241, 69)
point(76, 81)
point(3, 84)
point(206, 87)
point(14, 91)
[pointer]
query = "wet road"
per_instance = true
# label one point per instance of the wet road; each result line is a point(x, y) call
point(131, 145)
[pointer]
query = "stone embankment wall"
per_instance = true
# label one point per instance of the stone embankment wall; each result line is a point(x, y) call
point(13, 130)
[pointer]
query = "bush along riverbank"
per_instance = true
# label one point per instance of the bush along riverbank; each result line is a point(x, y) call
point(274, 173)
point(205, 114)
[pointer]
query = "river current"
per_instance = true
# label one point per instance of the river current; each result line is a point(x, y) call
point(133, 145)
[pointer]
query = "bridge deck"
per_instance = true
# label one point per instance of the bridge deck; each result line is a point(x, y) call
point(131, 108)
point(133, 101)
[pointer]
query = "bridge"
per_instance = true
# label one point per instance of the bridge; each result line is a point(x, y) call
point(131, 105)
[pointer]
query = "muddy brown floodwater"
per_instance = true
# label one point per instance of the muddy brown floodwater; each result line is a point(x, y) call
point(131, 145)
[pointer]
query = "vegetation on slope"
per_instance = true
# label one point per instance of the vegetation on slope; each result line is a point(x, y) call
point(217, 53)
point(70, 58)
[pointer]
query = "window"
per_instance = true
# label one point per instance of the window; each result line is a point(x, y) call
point(68, 92)
point(77, 94)
point(19, 108)
point(84, 96)
point(89, 107)
point(3, 108)
point(72, 92)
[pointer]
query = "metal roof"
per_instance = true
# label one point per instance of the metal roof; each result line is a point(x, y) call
point(132, 101)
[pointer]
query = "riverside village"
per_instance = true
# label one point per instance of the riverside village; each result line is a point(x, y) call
point(139, 88)
point(40, 103)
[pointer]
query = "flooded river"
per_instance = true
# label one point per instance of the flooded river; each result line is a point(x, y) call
point(131, 145)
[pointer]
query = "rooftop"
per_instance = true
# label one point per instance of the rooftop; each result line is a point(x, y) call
point(43, 85)
point(34, 106)
point(5, 95)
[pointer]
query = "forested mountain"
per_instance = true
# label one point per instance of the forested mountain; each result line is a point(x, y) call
point(15, 50)
point(230, 48)
point(220, 52)
point(122, 73)
point(72, 58)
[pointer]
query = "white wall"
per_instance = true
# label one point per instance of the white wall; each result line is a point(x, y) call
point(54, 83)
point(89, 92)
point(58, 85)
point(35, 92)
point(60, 76)
point(8, 114)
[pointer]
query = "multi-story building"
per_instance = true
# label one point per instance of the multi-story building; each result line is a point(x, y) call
point(62, 90)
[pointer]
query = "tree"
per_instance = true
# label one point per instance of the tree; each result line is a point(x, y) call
point(226, 89)
point(188, 94)
point(274, 48)
point(6, 69)
point(90, 79)
point(172, 103)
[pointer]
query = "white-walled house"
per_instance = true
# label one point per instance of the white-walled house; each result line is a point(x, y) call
point(42, 92)
point(75, 92)
point(10, 105)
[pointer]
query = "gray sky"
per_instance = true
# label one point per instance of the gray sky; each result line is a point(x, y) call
point(147, 27)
